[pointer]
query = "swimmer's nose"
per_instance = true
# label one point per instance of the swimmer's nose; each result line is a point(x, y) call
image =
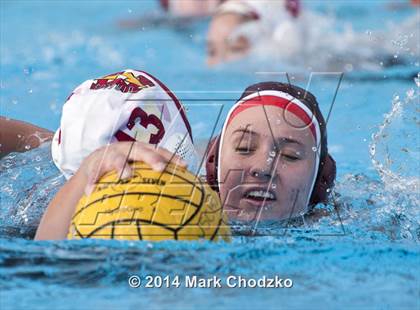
point(262, 174)
point(263, 168)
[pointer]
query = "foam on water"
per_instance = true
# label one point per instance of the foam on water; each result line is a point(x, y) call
point(300, 42)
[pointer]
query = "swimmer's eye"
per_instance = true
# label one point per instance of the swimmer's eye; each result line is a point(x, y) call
point(244, 150)
point(237, 49)
point(211, 52)
point(240, 45)
point(290, 158)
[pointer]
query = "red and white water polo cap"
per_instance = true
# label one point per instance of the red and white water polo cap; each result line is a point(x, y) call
point(129, 105)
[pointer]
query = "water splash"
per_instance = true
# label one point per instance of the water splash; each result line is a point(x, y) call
point(28, 181)
point(391, 205)
point(302, 42)
point(395, 147)
point(384, 208)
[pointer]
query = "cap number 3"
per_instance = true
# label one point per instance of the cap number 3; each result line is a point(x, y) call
point(146, 121)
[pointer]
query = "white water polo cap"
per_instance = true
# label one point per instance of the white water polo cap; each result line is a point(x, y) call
point(129, 105)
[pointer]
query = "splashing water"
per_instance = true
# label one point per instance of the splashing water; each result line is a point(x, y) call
point(301, 42)
point(389, 206)
point(28, 182)
point(361, 251)
point(395, 148)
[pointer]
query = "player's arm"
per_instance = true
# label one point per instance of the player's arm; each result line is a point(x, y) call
point(56, 220)
point(18, 136)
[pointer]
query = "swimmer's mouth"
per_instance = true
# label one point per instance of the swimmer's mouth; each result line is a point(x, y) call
point(260, 195)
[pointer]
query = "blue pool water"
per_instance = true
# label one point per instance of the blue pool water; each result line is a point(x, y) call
point(366, 256)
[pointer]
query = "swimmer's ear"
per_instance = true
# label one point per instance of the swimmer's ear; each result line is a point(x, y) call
point(211, 163)
point(325, 181)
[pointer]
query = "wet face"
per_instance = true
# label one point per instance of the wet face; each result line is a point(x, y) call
point(266, 167)
point(221, 46)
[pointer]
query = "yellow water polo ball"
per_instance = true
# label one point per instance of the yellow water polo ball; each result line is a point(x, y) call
point(169, 205)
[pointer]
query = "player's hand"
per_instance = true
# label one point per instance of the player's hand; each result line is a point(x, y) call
point(117, 157)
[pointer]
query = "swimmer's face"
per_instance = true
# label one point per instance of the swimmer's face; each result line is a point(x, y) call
point(251, 169)
point(220, 45)
point(193, 8)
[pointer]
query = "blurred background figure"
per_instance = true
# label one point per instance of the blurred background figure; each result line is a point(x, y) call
point(237, 24)
point(289, 34)
point(402, 5)
point(176, 12)
point(190, 8)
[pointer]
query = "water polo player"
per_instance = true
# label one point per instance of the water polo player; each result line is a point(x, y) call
point(106, 122)
point(237, 25)
point(271, 159)
point(262, 169)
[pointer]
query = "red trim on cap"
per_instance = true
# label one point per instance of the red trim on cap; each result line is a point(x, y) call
point(175, 99)
point(269, 100)
point(254, 15)
point(164, 4)
point(293, 7)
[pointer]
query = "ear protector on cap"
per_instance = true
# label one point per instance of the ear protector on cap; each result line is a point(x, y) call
point(324, 180)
